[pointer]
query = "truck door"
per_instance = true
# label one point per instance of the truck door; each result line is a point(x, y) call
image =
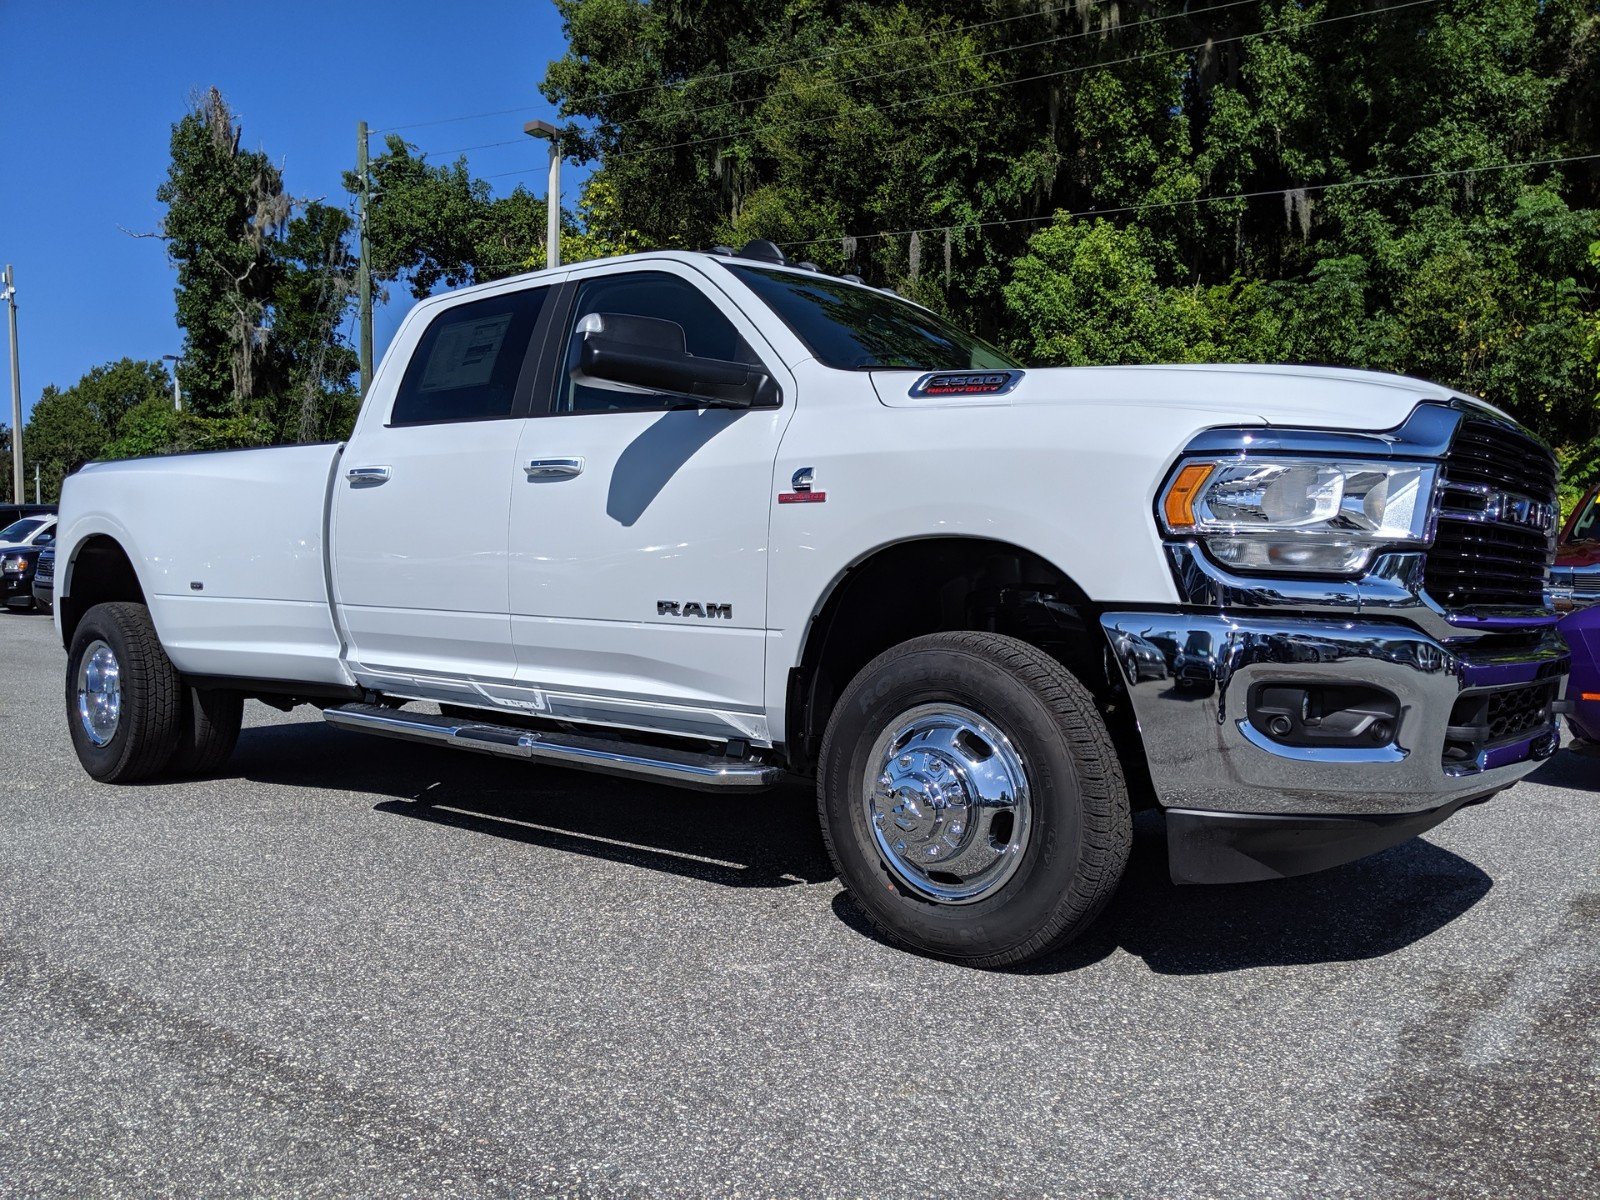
point(639, 522)
point(421, 500)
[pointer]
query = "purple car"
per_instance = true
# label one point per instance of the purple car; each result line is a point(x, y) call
point(1582, 631)
point(1575, 589)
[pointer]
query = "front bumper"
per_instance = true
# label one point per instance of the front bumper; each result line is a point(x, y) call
point(1223, 847)
point(1206, 753)
point(17, 590)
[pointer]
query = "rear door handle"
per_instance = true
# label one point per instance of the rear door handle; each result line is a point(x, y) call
point(367, 475)
point(554, 468)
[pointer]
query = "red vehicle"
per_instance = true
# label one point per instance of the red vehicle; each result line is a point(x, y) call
point(1575, 588)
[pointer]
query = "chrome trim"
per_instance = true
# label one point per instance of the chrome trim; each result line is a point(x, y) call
point(554, 468)
point(1201, 756)
point(99, 692)
point(370, 476)
point(946, 799)
point(1570, 587)
point(1393, 582)
point(680, 767)
point(1425, 434)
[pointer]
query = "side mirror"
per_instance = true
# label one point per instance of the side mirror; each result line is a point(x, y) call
point(648, 352)
point(44, 539)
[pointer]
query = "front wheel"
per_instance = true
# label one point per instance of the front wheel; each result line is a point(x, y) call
point(124, 699)
point(971, 800)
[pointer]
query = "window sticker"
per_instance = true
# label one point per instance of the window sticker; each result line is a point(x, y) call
point(464, 354)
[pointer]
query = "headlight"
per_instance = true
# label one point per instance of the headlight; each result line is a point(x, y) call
point(14, 563)
point(1317, 516)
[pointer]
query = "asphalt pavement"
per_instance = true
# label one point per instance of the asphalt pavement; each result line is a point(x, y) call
point(352, 966)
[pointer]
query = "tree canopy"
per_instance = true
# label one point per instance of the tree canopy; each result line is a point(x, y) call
point(264, 285)
point(1368, 183)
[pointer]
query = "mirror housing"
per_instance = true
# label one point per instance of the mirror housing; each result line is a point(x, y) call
point(648, 352)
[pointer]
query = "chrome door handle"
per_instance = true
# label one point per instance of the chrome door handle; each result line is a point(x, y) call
point(367, 475)
point(554, 468)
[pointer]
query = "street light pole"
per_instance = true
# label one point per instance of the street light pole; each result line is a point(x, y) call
point(552, 224)
point(177, 388)
point(8, 293)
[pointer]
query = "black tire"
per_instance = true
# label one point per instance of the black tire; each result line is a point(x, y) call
point(1081, 827)
point(208, 732)
point(151, 697)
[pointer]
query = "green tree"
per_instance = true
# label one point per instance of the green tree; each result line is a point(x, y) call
point(943, 149)
point(435, 224)
point(224, 207)
point(263, 290)
point(69, 427)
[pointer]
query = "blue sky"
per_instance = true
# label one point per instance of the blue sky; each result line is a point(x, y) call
point(91, 91)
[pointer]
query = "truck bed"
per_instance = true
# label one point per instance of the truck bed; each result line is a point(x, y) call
point(233, 551)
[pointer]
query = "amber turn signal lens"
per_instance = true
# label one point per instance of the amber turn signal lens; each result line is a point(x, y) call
point(1178, 506)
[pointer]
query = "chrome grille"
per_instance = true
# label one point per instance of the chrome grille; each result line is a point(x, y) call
point(1493, 545)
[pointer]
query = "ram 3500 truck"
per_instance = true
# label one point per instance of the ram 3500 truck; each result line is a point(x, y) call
point(713, 519)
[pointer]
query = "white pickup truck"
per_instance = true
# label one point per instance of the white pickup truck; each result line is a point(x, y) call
point(715, 519)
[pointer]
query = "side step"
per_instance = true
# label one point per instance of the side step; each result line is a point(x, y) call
point(684, 768)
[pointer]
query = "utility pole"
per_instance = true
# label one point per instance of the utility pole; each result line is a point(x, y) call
point(177, 388)
point(8, 293)
point(36, 499)
point(552, 202)
point(364, 269)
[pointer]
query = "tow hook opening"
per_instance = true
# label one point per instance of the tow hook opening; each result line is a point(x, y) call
point(1325, 715)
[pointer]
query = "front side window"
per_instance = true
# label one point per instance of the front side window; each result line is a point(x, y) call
point(659, 312)
point(853, 328)
point(469, 360)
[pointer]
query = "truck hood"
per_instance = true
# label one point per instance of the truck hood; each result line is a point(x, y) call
point(1320, 397)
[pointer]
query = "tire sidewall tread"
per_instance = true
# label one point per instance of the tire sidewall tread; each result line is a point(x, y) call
point(1082, 830)
point(151, 702)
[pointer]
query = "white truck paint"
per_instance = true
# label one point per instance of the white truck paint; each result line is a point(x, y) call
point(633, 568)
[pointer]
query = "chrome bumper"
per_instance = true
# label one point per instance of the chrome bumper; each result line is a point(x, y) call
point(1205, 753)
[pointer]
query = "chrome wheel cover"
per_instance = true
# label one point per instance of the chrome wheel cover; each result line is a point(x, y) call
point(99, 692)
point(946, 798)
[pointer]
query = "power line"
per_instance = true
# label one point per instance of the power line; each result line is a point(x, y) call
point(941, 62)
point(899, 104)
point(696, 79)
point(827, 54)
point(521, 141)
point(988, 87)
point(1197, 200)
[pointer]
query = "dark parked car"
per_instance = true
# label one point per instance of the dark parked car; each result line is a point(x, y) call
point(44, 579)
point(17, 565)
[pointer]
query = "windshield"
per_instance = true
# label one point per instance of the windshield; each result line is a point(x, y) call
point(1583, 526)
point(18, 530)
point(853, 328)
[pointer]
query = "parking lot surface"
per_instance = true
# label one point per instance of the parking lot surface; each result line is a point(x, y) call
point(352, 966)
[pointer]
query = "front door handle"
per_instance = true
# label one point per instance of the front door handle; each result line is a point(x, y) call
point(369, 476)
point(554, 468)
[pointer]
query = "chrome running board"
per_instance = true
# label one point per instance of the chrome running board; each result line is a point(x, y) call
point(684, 768)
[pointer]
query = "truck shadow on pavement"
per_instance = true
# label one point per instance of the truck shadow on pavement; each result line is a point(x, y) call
point(1363, 910)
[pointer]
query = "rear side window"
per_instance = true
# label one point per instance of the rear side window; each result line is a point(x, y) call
point(469, 360)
